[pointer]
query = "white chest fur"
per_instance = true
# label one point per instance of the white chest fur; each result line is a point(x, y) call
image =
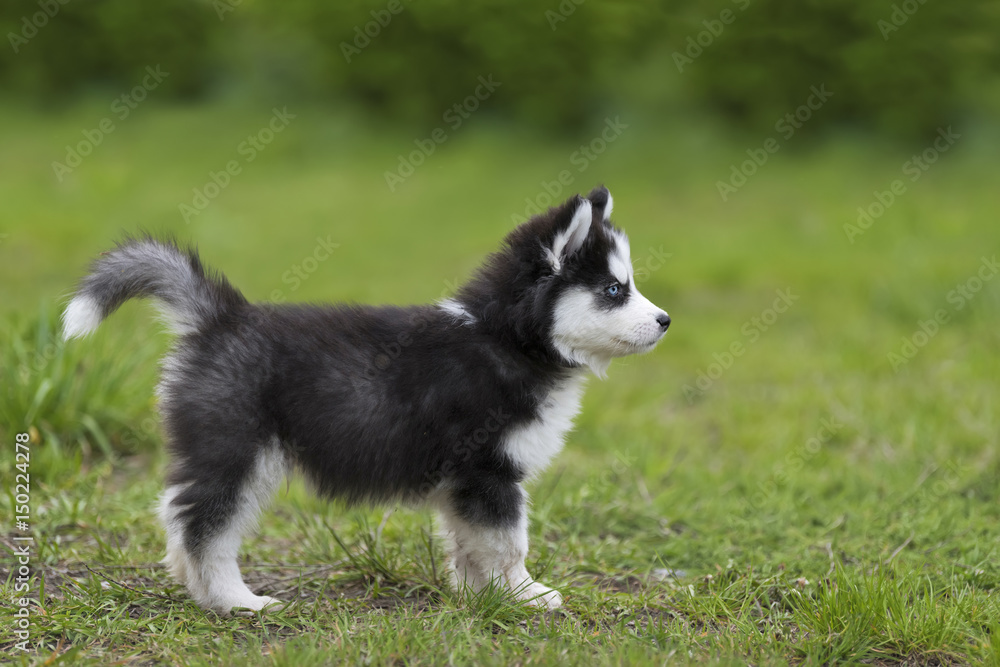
point(533, 445)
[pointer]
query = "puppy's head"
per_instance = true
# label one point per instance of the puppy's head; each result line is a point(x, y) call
point(598, 311)
point(565, 277)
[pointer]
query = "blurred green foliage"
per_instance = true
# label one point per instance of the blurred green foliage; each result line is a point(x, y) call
point(901, 68)
point(59, 47)
point(428, 56)
point(78, 400)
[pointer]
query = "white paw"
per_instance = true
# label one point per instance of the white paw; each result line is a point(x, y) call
point(541, 596)
point(247, 606)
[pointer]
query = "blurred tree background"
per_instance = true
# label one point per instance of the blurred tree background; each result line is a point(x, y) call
point(896, 68)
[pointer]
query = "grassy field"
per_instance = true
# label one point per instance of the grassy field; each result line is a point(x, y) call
point(805, 471)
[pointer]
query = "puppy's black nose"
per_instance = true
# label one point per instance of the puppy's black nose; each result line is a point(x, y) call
point(664, 321)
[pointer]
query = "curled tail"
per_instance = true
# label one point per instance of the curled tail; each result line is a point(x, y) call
point(187, 295)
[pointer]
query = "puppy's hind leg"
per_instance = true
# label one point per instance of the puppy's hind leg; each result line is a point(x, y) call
point(207, 512)
point(176, 560)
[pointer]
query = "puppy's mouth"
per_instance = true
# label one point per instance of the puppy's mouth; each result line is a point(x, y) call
point(623, 347)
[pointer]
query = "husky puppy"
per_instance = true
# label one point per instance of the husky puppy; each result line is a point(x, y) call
point(453, 404)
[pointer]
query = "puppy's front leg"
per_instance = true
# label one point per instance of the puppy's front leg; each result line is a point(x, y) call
point(486, 525)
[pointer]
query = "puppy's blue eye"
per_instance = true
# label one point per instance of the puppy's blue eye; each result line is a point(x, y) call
point(614, 290)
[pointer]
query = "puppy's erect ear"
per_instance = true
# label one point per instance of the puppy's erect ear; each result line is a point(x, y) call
point(570, 239)
point(600, 197)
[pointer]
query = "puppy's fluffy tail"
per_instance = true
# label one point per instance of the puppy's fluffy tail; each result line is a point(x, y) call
point(188, 296)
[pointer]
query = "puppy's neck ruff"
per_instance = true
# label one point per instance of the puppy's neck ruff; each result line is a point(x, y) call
point(532, 446)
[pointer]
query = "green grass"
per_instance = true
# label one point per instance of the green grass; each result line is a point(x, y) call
point(810, 503)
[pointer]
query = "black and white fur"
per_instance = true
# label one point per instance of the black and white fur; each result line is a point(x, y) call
point(454, 404)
